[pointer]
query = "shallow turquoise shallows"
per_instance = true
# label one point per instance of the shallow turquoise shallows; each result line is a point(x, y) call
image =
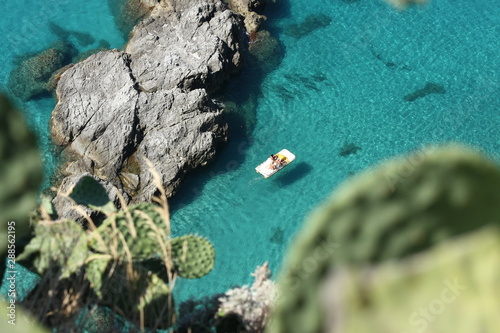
point(369, 79)
point(25, 28)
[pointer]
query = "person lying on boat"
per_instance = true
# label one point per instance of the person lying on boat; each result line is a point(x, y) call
point(277, 161)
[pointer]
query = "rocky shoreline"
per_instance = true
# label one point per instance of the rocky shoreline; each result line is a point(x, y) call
point(119, 110)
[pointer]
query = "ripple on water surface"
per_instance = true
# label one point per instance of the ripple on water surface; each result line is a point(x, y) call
point(359, 83)
point(338, 102)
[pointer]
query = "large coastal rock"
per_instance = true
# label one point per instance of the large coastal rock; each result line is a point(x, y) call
point(96, 116)
point(196, 49)
point(117, 110)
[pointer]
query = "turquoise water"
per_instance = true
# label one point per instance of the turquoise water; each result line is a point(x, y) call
point(340, 84)
point(25, 28)
point(343, 83)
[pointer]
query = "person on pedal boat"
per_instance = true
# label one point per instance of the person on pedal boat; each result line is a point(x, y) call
point(277, 161)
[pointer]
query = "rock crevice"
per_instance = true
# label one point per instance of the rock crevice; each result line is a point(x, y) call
point(118, 109)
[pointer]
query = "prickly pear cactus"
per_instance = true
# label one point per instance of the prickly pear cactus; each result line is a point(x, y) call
point(61, 244)
point(91, 193)
point(193, 256)
point(129, 289)
point(21, 168)
point(143, 228)
point(20, 177)
point(453, 287)
point(400, 208)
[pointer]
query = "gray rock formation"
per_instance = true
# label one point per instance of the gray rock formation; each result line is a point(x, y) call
point(116, 109)
point(248, 9)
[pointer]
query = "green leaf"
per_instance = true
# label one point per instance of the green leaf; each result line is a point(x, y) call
point(63, 244)
point(95, 270)
point(142, 230)
point(91, 193)
point(156, 290)
point(193, 256)
point(48, 206)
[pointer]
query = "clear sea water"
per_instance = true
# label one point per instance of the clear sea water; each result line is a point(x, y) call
point(25, 28)
point(340, 84)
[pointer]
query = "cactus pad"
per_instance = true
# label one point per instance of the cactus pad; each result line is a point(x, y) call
point(61, 244)
point(450, 288)
point(20, 175)
point(193, 256)
point(91, 193)
point(403, 207)
point(142, 227)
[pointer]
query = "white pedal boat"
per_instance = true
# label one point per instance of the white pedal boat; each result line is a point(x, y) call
point(275, 163)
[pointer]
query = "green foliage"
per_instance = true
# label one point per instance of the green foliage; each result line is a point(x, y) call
point(401, 208)
point(128, 261)
point(143, 230)
point(21, 168)
point(452, 287)
point(60, 244)
point(89, 192)
point(193, 256)
point(129, 288)
point(20, 175)
point(47, 205)
point(95, 269)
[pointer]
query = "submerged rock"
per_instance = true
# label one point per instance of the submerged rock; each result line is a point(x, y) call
point(310, 24)
point(30, 79)
point(82, 38)
point(118, 110)
point(348, 149)
point(267, 50)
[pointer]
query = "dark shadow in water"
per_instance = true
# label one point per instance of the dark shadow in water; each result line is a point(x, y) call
point(260, 58)
point(228, 158)
point(348, 148)
point(83, 38)
point(240, 96)
point(127, 13)
point(276, 10)
point(278, 236)
point(292, 173)
point(430, 88)
point(310, 24)
point(297, 85)
point(386, 62)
